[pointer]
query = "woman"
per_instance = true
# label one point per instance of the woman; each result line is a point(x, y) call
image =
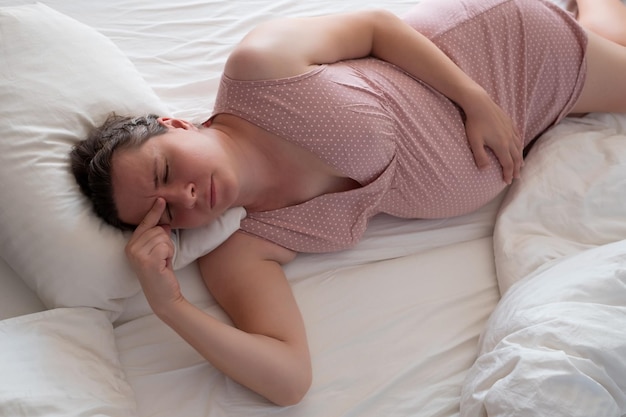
point(321, 123)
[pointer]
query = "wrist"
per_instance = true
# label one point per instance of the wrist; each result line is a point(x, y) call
point(170, 311)
point(472, 99)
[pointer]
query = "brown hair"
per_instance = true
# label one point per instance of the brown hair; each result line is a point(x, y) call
point(91, 159)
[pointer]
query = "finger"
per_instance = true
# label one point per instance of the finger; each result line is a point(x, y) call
point(162, 251)
point(151, 251)
point(481, 159)
point(508, 170)
point(516, 150)
point(153, 217)
point(160, 254)
point(148, 239)
point(517, 140)
point(140, 244)
point(520, 149)
point(517, 160)
point(507, 162)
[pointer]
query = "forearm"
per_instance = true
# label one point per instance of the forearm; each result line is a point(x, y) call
point(398, 43)
point(486, 124)
point(273, 368)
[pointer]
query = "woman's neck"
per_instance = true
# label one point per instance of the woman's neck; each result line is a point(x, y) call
point(273, 172)
point(258, 161)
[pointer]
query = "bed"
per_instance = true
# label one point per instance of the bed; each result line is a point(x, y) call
point(517, 309)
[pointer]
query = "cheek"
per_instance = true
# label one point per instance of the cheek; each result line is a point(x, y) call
point(229, 191)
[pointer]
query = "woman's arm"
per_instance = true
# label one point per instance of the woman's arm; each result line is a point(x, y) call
point(292, 46)
point(267, 350)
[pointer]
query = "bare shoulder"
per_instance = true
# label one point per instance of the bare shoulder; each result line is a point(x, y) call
point(245, 277)
point(261, 54)
point(243, 246)
point(243, 257)
point(287, 47)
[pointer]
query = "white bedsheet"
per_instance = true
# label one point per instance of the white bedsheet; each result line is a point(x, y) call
point(375, 334)
point(394, 324)
point(374, 329)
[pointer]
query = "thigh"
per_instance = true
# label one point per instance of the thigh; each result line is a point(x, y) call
point(604, 89)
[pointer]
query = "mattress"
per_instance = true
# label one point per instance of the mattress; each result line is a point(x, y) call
point(408, 323)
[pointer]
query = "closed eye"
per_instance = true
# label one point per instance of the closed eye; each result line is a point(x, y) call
point(166, 175)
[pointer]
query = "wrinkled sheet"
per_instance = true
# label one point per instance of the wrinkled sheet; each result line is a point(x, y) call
point(556, 344)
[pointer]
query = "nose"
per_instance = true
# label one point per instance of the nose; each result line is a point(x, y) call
point(184, 196)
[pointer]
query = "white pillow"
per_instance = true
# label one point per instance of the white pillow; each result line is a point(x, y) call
point(190, 244)
point(58, 79)
point(62, 362)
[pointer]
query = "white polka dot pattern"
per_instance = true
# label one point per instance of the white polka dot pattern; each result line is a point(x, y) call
point(401, 140)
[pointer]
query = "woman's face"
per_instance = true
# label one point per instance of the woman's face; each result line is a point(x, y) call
point(185, 166)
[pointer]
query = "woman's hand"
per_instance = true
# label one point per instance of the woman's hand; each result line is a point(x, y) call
point(150, 252)
point(487, 125)
point(267, 351)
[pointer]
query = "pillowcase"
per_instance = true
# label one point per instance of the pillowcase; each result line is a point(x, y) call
point(62, 362)
point(58, 79)
point(191, 244)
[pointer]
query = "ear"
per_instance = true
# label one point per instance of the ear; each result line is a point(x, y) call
point(173, 123)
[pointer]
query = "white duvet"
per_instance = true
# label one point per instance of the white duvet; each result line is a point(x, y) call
point(556, 343)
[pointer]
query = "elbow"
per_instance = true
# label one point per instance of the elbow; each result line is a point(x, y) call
point(294, 389)
point(381, 18)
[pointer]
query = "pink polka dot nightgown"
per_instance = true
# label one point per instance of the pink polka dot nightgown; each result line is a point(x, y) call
point(402, 141)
